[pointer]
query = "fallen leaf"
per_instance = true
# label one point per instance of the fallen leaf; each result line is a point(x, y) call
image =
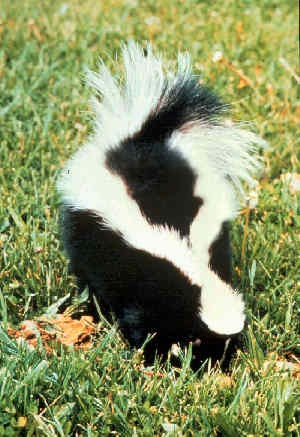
point(22, 421)
point(62, 328)
point(269, 88)
point(239, 28)
point(242, 83)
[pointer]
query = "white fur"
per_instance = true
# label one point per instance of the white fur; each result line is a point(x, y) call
point(121, 113)
point(221, 157)
point(222, 308)
point(226, 148)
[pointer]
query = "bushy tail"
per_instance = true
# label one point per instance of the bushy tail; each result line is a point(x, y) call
point(156, 105)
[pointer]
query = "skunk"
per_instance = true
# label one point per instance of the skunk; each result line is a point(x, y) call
point(147, 203)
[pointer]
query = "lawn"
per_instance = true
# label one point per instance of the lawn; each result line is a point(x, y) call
point(245, 50)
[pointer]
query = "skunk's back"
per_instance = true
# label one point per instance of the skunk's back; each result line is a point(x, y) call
point(157, 176)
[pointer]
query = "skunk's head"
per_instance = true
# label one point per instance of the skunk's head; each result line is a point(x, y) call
point(146, 203)
point(170, 305)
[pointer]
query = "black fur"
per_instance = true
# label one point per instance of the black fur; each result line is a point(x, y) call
point(186, 102)
point(220, 254)
point(159, 180)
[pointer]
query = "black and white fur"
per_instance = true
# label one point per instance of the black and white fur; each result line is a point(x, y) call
point(146, 205)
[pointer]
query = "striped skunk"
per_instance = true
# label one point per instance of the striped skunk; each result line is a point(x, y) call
point(147, 203)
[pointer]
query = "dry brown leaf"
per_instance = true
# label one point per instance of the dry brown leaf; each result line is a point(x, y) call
point(242, 83)
point(22, 422)
point(63, 329)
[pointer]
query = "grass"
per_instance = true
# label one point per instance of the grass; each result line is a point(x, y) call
point(44, 116)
